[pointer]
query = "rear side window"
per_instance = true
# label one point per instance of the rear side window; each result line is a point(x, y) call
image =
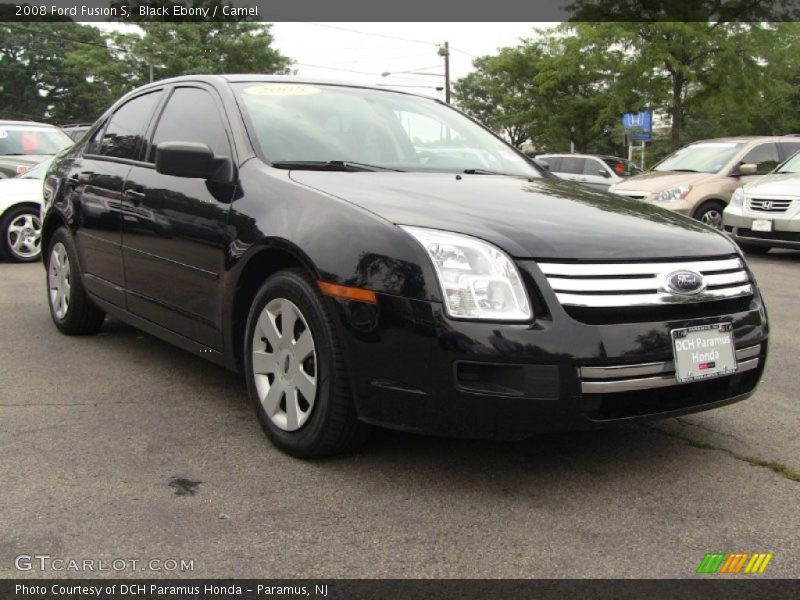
point(764, 156)
point(572, 164)
point(191, 115)
point(124, 135)
point(553, 161)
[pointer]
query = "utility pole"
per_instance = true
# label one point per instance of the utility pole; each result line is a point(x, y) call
point(444, 51)
point(151, 73)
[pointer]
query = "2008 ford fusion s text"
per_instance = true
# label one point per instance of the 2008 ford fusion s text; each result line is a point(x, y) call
point(370, 257)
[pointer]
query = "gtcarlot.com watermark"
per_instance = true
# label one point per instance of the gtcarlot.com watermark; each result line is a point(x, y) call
point(47, 563)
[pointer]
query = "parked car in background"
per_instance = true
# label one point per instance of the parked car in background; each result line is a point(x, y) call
point(293, 230)
point(594, 170)
point(76, 131)
point(766, 213)
point(24, 144)
point(698, 180)
point(20, 203)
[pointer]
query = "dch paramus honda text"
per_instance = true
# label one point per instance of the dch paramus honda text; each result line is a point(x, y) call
point(370, 257)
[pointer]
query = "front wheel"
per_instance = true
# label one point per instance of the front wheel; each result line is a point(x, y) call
point(710, 213)
point(295, 370)
point(72, 310)
point(22, 234)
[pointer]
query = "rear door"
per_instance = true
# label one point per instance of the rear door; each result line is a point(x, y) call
point(174, 231)
point(596, 174)
point(96, 180)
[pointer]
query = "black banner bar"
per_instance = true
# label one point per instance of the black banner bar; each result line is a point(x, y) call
point(131, 11)
point(706, 587)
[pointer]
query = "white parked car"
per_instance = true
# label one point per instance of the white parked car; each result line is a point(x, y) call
point(594, 170)
point(766, 213)
point(20, 201)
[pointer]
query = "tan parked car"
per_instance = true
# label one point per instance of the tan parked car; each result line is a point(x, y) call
point(699, 179)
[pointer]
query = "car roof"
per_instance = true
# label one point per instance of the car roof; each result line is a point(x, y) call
point(260, 77)
point(744, 139)
point(27, 124)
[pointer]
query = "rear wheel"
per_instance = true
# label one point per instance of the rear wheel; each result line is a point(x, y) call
point(22, 234)
point(295, 370)
point(710, 213)
point(71, 309)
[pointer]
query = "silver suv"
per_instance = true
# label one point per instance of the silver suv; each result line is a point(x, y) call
point(698, 180)
point(593, 170)
point(766, 213)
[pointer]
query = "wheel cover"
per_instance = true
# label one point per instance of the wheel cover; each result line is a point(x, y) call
point(712, 217)
point(24, 235)
point(58, 279)
point(284, 362)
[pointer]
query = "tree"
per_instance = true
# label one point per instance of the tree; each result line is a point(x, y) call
point(208, 47)
point(501, 91)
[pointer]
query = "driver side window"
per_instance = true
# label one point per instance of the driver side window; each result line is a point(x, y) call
point(764, 156)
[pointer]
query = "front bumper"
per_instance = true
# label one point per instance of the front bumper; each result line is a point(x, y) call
point(785, 233)
point(412, 368)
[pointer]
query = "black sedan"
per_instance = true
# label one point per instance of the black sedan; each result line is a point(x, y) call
point(369, 257)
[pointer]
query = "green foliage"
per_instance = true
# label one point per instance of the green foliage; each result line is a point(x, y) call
point(709, 79)
point(69, 72)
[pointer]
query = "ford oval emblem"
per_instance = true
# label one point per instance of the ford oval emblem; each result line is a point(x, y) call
point(684, 282)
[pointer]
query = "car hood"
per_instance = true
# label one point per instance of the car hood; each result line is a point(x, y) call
point(14, 190)
point(657, 181)
point(543, 218)
point(776, 184)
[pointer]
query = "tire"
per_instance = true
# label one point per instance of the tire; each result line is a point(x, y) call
point(297, 379)
point(754, 249)
point(71, 309)
point(22, 234)
point(710, 213)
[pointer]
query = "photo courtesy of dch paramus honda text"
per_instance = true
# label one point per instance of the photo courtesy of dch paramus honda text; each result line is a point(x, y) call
point(368, 258)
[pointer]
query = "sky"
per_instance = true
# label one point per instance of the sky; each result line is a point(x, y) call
point(362, 52)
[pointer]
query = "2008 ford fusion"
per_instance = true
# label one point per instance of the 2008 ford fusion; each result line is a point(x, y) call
point(370, 257)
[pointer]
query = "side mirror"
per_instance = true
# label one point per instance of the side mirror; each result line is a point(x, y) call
point(603, 173)
point(748, 169)
point(192, 159)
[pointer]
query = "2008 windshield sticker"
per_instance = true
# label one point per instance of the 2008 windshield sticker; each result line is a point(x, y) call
point(282, 89)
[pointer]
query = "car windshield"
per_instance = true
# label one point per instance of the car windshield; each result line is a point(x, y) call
point(305, 126)
point(17, 140)
point(37, 172)
point(792, 165)
point(703, 157)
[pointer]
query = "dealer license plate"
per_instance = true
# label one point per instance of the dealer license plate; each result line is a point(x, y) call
point(762, 225)
point(703, 352)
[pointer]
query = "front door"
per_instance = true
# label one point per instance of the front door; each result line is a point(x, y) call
point(174, 228)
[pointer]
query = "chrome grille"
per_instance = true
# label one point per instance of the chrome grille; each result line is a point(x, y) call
point(769, 205)
point(643, 284)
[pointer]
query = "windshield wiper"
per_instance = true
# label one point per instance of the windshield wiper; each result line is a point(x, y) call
point(329, 165)
point(482, 172)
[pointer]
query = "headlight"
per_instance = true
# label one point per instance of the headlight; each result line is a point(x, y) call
point(675, 193)
point(737, 199)
point(478, 280)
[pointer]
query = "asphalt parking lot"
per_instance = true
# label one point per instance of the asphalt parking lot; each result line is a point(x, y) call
point(120, 446)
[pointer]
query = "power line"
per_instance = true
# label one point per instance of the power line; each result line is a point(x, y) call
point(372, 33)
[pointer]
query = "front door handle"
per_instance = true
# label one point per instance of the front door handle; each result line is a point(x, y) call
point(135, 196)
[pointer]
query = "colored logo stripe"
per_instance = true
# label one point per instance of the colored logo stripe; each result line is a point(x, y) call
point(723, 562)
